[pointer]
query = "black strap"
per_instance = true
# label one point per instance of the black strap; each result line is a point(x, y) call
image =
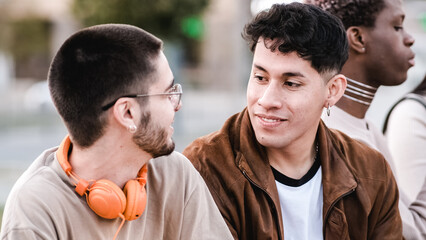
point(410, 96)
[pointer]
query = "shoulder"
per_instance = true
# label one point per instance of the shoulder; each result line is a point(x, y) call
point(37, 195)
point(410, 106)
point(211, 144)
point(175, 162)
point(220, 144)
point(39, 181)
point(362, 160)
point(214, 156)
point(171, 169)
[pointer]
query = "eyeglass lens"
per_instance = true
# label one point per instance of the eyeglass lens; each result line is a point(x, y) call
point(176, 92)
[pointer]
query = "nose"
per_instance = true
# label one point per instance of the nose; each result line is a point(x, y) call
point(178, 106)
point(271, 97)
point(408, 39)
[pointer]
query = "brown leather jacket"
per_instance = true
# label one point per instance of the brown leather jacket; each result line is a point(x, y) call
point(360, 194)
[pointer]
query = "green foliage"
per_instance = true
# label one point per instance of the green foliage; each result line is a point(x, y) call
point(25, 37)
point(163, 18)
point(28, 41)
point(423, 21)
point(29, 37)
point(192, 27)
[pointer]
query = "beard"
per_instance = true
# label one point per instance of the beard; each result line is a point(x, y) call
point(152, 139)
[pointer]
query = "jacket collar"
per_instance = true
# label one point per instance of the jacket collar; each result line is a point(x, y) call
point(337, 178)
point(251, 158)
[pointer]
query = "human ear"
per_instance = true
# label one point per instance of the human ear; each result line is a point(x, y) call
point(335, 88)
point(125, 112)
point(356, 39)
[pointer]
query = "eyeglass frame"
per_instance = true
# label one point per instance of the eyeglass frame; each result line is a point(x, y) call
point(177, 86)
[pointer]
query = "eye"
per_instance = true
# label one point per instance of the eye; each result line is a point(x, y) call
point(398, 28)
point(292, 84)
point(259, 78)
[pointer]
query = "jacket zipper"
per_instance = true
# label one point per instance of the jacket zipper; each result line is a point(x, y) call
point(331, 207)
point(270, 198)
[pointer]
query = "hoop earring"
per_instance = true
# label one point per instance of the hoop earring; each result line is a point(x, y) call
point(132, 128)
point(328, 110)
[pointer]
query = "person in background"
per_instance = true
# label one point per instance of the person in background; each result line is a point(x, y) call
point(113, 87)
point(379, 55)
point(405, 129)
point(274, 169)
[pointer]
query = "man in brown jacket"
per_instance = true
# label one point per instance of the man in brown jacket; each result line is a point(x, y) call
point(274, 169)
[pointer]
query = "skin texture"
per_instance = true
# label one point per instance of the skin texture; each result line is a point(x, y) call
point(121, 149)
point(379, 55)
point(154, 134)
point(285, 98)
point(389, 46)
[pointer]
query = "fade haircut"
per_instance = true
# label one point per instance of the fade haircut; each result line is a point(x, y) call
point(95, 66)
point(352, 12)
point(314, 34)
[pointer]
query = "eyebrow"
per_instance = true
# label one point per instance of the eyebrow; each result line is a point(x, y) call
point(171, 85)
point(286, 74)
point(259, 67)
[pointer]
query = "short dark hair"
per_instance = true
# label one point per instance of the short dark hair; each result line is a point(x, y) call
point(352, 12)
point(95, 66)
point(314, 34)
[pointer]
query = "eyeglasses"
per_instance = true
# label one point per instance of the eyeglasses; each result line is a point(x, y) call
point(174, 95)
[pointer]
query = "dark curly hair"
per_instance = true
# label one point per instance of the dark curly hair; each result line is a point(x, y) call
point(95, 66)
point(316, 36)
point(352, 12)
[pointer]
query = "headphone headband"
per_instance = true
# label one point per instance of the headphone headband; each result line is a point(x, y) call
point(104, 197)
point(62, 155)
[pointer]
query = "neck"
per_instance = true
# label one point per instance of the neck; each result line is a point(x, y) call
point(357, 98)
point(107, 159)
point(293, 164)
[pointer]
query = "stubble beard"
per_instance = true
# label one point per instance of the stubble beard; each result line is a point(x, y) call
point(152, 139)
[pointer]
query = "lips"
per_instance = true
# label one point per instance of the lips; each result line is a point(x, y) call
point(411, 62)
point(270, 121)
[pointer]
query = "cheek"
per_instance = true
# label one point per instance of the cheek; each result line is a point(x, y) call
point(254, 93)
point(308, 104)
point(251, 95)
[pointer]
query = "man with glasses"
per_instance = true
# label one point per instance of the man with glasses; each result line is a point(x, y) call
point(113, 87)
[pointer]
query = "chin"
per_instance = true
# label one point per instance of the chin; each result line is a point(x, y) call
point(267, 142)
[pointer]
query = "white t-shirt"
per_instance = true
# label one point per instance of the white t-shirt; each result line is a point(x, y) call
point(301, 204)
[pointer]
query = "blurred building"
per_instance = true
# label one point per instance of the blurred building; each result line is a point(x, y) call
point(33, 30)
point(226, 59)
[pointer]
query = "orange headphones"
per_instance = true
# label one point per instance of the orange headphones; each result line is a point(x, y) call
point(103, 196)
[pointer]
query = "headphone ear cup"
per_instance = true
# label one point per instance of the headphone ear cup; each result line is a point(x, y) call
point(136, 199)
point(106, 199)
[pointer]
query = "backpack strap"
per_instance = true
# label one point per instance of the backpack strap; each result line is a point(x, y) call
point(409, 96)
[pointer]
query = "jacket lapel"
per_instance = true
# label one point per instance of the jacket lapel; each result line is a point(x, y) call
point(337, 180)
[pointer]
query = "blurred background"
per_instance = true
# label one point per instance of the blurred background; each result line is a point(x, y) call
point(202, 40)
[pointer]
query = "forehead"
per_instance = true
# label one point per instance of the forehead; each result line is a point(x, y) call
point(393, 10)
point(163, 74)
point(278, 62)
